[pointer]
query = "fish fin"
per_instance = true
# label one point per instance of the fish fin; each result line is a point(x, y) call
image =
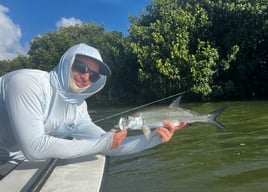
point(213, 115)
point(147, 132)
point(175, 103)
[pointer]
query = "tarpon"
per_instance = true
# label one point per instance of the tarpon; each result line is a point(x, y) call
point(149, 119)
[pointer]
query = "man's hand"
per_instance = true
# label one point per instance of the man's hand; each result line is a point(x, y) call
point(118, 138)
point(167, 133)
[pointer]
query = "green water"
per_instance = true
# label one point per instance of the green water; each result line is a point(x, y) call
point(200, 157)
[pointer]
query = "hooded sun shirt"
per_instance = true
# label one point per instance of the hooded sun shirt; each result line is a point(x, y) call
point(61, 75)
point(38, 110)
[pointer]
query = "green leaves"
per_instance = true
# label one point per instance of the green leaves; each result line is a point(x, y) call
point(167, 45)
point(215, 48)
point(203, 67)
point(197, 44)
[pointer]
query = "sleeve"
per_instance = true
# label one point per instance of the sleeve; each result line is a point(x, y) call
point(25, 110)
point(134, 144)
point(86, 129)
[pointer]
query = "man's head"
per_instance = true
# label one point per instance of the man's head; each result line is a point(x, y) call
point(80, 73)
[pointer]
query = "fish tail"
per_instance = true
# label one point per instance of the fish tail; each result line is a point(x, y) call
point(213, 115)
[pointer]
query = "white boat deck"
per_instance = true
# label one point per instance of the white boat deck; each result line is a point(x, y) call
point(80, 174)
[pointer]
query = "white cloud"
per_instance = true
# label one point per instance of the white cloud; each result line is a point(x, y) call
point(10, 35)
point(66, 22)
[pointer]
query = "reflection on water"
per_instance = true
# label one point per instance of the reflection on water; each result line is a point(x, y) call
point(200, 157)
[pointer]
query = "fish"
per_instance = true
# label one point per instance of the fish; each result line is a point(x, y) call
point(153, 118)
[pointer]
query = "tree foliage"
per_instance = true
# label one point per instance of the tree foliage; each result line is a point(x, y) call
point(173, 42)
point(213, 48)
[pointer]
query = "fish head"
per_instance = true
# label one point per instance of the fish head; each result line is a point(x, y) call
point(131, 122)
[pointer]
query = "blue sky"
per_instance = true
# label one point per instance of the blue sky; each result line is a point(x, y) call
point(22, 20)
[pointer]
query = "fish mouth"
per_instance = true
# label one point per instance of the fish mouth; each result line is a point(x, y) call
point(131, 122)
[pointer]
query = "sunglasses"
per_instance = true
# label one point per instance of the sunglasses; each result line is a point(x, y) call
point(82, 68)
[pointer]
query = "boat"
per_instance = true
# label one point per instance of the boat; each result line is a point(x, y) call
point(81, 174)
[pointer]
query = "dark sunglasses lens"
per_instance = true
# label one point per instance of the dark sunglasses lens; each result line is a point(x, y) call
point(80, 67)
point(94, 76)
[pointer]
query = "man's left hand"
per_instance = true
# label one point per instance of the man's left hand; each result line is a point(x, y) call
point(168, 130)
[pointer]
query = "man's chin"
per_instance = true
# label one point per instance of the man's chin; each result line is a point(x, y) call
point(82, 85)
point(78, 88)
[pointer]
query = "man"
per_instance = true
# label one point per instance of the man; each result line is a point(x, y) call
point(38, 110)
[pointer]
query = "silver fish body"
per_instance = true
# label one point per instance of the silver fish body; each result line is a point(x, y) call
point(153, 118)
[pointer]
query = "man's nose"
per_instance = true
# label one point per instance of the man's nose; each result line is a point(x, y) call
point(85, 76)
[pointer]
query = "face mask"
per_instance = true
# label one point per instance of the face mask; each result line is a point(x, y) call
point(73, 87)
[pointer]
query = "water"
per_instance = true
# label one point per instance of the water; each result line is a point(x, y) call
point(200, 157)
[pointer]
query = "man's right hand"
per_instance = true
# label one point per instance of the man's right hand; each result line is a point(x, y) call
point(118, 138)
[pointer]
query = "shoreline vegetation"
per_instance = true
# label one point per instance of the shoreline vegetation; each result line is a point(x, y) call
point(214, 50)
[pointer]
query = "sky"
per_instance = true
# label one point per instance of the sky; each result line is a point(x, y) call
point(22, 20)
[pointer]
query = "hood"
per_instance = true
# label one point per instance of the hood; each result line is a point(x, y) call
point(60, 74)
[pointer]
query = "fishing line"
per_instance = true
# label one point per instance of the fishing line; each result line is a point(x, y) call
point(141, 106)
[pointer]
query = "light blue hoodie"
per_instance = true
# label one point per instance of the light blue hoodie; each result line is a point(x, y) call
point(37, 111)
